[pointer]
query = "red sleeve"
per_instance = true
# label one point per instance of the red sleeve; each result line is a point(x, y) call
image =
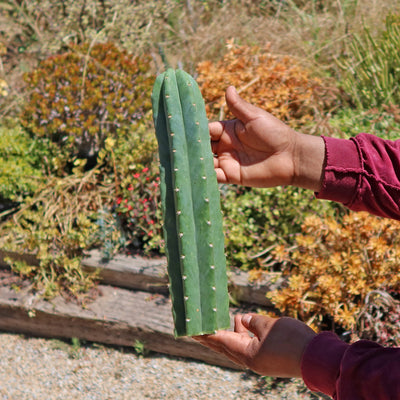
point(363, 173)
point(361, 371)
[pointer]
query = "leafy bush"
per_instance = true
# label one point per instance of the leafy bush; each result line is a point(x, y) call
point(384, 122)
point(257, 220)
point(91, 102)
point(21, 163)
point(373, 67)
point(275, 83)
point(335, 265)
point(57, 225)
point(137, 201)
point(379, 319)
point(139, 211)
point(112, 206)
point(79, 98)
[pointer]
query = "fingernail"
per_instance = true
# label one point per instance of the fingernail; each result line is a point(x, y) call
point(246, 319)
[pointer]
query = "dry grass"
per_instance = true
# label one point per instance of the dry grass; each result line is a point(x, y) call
point(189, 31)
point(315, 36)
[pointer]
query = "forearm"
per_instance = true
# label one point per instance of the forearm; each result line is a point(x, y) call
point(309, 160)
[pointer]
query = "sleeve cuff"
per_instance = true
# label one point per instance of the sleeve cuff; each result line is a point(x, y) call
point(321, 361)
point(343, 167)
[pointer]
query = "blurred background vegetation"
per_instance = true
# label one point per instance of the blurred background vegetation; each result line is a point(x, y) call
point(78, 157)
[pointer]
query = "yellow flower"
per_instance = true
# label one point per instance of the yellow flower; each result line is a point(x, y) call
point(3, 88)
point(3, 49)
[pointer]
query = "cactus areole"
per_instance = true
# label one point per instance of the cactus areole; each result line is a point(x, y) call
point(191, 207)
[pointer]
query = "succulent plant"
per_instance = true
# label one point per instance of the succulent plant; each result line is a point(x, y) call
point(81, 97)
point(191, 207)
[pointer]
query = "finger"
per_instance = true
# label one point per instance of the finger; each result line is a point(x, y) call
point(239, 327)
point(231, 344)
point(221, 176)
point(216, 130)
point(240, 108)
point(260, 325)
point(224, 340)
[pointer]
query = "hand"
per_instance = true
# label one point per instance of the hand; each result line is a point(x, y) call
point(256, 149)
point(275, 348)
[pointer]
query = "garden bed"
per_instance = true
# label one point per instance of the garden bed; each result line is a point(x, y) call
point(132, 305)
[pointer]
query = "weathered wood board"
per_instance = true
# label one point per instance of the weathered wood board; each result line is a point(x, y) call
point(135, 272)
point(151, 275)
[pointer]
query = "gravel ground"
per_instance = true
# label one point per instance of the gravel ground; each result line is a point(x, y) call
point(32, 368)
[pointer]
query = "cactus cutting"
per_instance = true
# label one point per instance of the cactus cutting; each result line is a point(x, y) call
point(191, 207)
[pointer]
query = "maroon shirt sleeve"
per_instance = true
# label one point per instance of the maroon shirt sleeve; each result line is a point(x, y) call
point(363, 173)
point(361, 371)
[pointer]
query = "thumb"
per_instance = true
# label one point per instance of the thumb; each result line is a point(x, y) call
point(239, 107)
point(260, 325)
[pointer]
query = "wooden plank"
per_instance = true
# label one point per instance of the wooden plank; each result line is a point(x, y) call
point(134, 272)
point(30, 259)
point(118, 317)
point(150, 274)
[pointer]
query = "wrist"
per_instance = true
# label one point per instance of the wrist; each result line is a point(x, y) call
point(308, 161)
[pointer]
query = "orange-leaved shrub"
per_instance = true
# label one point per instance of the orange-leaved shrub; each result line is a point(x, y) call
point(335, 266)
point(79, 98)
point(278, 84)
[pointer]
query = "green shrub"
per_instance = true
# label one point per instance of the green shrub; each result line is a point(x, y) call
point(384, 122)
point(21, 163)
point(79, 98)
point(139, 211)
point(257, 220)
point(57, 224)
point(372, 76)
point(137, 201)
point(88, 103)
point(69, 215)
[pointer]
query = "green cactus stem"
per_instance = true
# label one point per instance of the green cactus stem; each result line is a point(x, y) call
point(191, 207)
